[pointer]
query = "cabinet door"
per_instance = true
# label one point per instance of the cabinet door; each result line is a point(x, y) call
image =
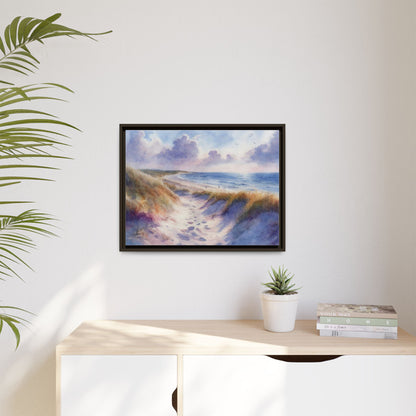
point(233, 386)
point(132, 385)
point(353, 385)
point(259, 385)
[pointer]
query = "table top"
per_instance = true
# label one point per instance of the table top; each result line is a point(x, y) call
point(237, 337)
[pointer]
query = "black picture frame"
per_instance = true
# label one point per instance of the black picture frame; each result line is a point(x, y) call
point(281, 246)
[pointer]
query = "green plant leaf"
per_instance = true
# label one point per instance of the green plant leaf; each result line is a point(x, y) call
point(2, 46)
point(12, 320)
point(27, 133)
point(13, 327)
point(281, 281)
point(21, 32)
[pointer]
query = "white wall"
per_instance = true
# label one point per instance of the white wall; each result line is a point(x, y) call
point(340, 74)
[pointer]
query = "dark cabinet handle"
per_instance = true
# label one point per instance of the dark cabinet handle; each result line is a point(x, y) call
point(304, 358)
point(175, 400)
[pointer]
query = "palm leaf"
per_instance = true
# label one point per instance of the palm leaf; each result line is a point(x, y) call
point(19, 138)
point(12, 321)
point(26, 134)
point(16, 235)
point(21, 32)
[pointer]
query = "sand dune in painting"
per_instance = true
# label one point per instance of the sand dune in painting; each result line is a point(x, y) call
point(162, 209)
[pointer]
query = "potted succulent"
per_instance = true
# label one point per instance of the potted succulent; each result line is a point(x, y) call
point(280, 301)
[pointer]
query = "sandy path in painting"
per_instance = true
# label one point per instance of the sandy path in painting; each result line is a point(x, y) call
point(188, 224)
point(198, 215)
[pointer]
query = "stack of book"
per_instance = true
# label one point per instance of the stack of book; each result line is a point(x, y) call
point(357, 321)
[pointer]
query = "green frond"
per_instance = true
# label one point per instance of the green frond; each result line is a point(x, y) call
point(16, 236)
point(15, 202)
point(26, 133)
point(13, 320)
point(19, 136)
point(21, 32)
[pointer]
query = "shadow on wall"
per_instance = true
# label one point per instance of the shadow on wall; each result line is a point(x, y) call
point(28, 386)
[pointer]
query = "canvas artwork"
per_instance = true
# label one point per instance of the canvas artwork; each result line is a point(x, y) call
point(202, 187)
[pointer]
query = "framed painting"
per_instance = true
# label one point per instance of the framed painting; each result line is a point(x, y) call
point(202, 187)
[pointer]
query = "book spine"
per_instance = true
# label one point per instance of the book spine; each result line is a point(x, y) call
point(389, 329)
point(356, 334)
point(389, 316)
point(336, 320)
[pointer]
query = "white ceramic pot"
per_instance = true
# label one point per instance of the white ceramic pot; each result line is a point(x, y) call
point(279, 311)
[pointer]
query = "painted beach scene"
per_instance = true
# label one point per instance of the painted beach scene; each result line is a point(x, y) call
point(202, 187)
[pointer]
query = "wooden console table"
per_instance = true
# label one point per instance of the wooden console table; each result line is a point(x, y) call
point(198, 368)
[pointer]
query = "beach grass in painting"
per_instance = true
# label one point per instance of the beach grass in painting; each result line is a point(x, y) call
point(202, 188)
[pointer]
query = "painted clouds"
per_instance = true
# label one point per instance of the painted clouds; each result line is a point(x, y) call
point(266, 152)
point(182, 152)
point(140, 149)
point(170, 150)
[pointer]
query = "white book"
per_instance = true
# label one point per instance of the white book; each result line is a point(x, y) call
point(356, 334)
point(365, 328)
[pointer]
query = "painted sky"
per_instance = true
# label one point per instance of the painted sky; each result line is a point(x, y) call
point(204, 150)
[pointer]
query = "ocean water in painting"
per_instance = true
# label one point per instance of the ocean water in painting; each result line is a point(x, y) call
point(202, 187)
point(259, 181)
